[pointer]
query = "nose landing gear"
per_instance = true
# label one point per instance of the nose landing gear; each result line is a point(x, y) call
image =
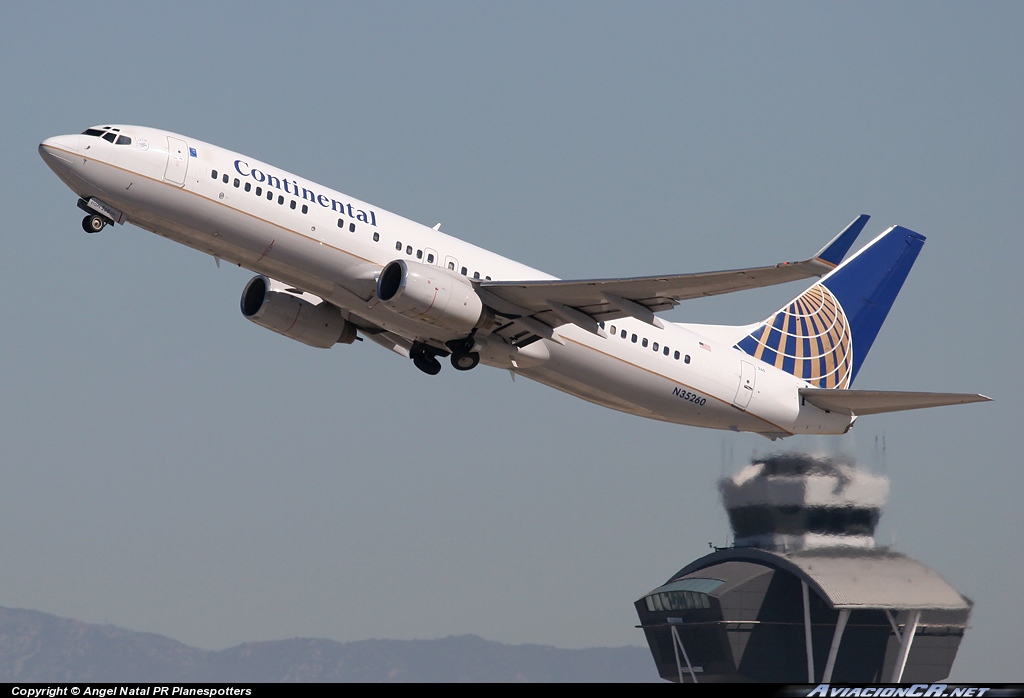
point(98, 215)
point(94, 223)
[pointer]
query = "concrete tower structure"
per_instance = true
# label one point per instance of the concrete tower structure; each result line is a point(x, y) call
point(805, 595)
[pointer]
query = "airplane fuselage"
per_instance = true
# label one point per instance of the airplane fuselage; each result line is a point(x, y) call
point(328, 244)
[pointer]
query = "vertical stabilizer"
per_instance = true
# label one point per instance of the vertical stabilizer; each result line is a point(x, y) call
point(824, 334)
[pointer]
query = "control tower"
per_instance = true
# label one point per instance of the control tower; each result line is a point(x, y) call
point(805, 595)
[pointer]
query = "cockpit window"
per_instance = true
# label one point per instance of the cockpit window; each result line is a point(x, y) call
point(109, 133)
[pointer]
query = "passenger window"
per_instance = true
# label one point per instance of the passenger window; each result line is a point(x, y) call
point(292, 204)
point(214, 173)
point(686, 359)
point(419, 254)
point(430, 258)
point(623, 335)
point(408, 249)
point(488, 278)
point(237, 183)
point(248, 186)
point(259, 191)
point(341, 224)
point(398, 246)
point(476, 275)
point(633, 339)
point(305, 208)
point(280, 200)
point(351, 227)
point(464, 271)
point(644, 343)
point(376, 237)
point(270, 195)
point(666, 351)
point(225, 179)
point(451, 265)
point(613, 330)
point(676, 356)
point(654, 346)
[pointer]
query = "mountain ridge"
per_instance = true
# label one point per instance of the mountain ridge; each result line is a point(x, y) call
point(38, 647)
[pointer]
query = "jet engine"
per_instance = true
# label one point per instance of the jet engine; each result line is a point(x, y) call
point(434, 295)
point(300, 316)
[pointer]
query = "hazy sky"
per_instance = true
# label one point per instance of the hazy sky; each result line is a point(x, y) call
point(170, 467)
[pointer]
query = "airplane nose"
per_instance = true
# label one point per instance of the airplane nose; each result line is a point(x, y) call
point(58, 145)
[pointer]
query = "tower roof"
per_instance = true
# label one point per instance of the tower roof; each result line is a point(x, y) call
point(849, 578)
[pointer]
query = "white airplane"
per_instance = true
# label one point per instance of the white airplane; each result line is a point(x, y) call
point(331, 268)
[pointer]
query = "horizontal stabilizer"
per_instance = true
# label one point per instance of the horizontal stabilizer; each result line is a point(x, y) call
point(859, 402)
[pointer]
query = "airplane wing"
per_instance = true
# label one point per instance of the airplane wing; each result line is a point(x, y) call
point(859, 402)
point(588, 302)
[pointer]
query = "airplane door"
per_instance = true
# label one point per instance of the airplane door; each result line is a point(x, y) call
point(746, 387)
point(177, 161)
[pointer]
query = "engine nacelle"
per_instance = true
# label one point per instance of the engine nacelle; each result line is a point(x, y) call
point(299, 316)
point(430, 294)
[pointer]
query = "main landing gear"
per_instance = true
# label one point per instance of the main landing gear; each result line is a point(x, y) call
point(424, 357)
point(463, 356)
point(464, 361)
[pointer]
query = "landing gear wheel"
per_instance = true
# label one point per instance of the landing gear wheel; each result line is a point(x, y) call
point(94, 223)
point(463, 357)
point(424, 360)
point(428, 364)
point(465, 360)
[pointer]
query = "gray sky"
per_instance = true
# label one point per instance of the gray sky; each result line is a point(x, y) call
point(169, 467)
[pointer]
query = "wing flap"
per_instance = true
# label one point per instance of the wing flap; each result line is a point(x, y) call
point(861, 402)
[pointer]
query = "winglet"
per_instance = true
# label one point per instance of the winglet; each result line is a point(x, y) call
point(830, 256)
point(833, 253)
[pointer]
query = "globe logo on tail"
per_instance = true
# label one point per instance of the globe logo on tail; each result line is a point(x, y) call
point(809, 338)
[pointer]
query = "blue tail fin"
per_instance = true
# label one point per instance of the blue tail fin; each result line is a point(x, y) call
point(824, 334)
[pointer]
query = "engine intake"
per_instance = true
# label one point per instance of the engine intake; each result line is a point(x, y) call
point(299, 316)
point(433, 295)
